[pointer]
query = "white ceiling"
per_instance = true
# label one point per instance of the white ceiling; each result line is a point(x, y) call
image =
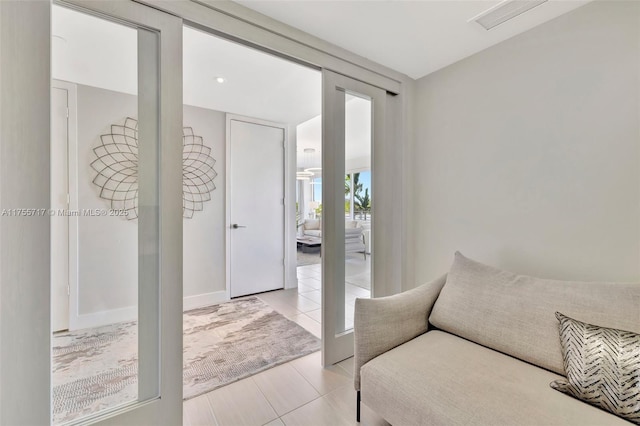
point(357, 136)
point(94, 52)
point(257, 84)
point(99, 53)
point(414, 37)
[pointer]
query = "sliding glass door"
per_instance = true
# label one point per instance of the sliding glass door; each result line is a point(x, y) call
point(120, 359)
point(353, 114)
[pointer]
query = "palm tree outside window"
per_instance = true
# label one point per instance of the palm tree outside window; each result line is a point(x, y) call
point(357, 192)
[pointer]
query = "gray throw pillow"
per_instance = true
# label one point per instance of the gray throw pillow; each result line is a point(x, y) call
point(602, 367)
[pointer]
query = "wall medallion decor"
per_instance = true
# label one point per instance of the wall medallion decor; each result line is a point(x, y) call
point(116, 165)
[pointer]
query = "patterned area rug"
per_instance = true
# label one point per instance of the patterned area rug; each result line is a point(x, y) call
point(98, 368)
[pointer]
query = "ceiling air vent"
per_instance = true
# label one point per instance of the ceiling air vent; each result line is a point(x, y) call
point(504, 11)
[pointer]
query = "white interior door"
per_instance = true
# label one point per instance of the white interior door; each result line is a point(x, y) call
point(256, 215)
point(59, 202)
point(340, 127)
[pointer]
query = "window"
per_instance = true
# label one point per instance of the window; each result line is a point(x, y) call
point(357, 194)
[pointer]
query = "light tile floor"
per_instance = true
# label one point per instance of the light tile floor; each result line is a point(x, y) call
point(357, 284)
point(300, 392)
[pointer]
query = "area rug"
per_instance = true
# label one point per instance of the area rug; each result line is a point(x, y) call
point(97, 368)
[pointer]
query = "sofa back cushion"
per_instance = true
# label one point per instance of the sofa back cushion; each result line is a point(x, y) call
point(312, 224)
point(351, 224)
point(515, 314)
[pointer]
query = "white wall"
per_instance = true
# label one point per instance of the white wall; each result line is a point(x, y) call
point(358, 164)
point(108, 245)
point(527, 155)
point(204, 246)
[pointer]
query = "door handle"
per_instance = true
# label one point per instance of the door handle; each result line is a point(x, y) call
point(236, 226)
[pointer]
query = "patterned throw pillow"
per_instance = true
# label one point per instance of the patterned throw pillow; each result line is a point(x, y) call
point(602, 367)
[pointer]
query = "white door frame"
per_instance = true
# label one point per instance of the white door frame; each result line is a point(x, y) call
point(160, 214)
point(25, 301)
point(25, 112)
point(337, 346)
point(290, 280)
point(72, 190)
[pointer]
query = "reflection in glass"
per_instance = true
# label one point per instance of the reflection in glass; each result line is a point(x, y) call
point(357, 205)
point(94, 198)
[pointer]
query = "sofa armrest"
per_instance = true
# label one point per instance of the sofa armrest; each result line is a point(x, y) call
point(383, 323)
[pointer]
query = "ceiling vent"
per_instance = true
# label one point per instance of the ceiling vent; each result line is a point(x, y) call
point(503, 11)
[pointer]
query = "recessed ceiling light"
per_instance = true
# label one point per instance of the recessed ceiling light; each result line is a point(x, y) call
point(220, 79)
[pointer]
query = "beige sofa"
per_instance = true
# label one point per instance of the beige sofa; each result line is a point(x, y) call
point(480, 346)
point(354, 240)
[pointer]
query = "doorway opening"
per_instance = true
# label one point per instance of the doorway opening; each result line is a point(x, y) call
point(250, 103)
point(358, 193)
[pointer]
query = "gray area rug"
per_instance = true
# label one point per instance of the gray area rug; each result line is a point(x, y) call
point(97, 368)
point(304, 259)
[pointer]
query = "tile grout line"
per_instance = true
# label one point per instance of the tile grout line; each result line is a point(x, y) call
point(306, 315)
point(211, 410)
point(297, 408)
point(303, 376)
point(345, 370)
point(265, 397)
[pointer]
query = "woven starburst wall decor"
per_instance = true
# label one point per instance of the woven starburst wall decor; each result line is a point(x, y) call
point(116, 165)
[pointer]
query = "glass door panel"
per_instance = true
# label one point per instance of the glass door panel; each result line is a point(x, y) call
point(352, 119)
point(357, 229)
point(95, 356)
point(108, 197)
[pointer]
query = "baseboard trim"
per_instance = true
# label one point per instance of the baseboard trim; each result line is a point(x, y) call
point(205, 299)
point(97, 319)
point(130, 313)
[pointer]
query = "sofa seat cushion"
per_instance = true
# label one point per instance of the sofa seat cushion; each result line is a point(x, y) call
point(350, 247)
point(353, 233)
point(313, 232)
point(441, 379)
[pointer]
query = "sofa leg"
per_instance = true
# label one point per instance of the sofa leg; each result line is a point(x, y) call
point(358, 408)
